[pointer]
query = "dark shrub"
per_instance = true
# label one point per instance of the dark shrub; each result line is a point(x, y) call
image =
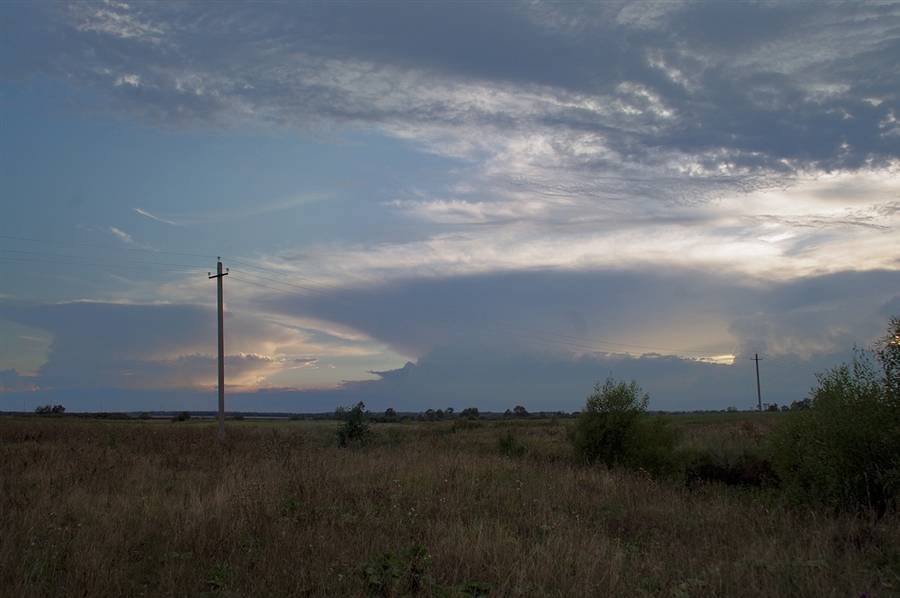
point(844, 450)
point(615, 428)
point(355, 431)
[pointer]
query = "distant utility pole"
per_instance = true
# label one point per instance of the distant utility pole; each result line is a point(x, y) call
point(758, 394)
point(218, 276)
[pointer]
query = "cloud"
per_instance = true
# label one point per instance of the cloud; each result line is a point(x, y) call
point(12, 381)
point(539, 339)
point(234, 213)
point(474, 376)
point(674, 311)
point(157, 346)
point(122, 236)
point(807, 91)
point(778, 235)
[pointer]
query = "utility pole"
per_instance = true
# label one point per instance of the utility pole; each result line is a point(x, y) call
point(218, 276)
point(758, 394)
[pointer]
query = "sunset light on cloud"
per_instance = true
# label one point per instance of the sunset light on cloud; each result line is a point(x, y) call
point(516, 198)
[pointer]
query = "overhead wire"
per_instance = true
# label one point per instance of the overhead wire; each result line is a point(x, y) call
point(114, 248)
point(62, 257)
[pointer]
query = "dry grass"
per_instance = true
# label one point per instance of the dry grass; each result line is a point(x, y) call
point(92, 508)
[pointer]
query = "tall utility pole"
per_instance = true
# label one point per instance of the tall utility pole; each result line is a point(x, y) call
point(218, 276)
point(758, 394)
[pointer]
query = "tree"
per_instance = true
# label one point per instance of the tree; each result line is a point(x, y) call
point(843, 451)
point(520, 411)
point(355, 431)
point(469, 413)
point(616, 429)
point(45, 409)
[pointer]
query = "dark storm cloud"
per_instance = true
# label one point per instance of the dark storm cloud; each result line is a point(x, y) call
point(475, 376)
point(692, 313)
point(150, 347)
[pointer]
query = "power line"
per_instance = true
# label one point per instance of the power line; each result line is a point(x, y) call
point(71, 263)
point(87, 257)
point(7, 237)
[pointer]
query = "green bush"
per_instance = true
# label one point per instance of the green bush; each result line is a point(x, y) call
point(616, 429)
point(844, 450)
point(355, 431)
point(510, 445)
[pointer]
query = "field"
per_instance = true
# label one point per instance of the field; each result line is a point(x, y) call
point(153, 508)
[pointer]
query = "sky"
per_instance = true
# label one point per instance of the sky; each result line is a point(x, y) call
point(432, 204)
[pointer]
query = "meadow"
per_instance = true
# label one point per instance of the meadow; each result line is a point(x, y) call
point(451, 508)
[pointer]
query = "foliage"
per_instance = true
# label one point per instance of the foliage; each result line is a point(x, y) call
point(731, 454)
point(615, 428)
point(510, 445)
point(405, 573)
point(45, 409)
point(355, 431)
point(244, 521)
point(399, 573)
point(844, 450)
point(470, 413)
point(182, 416)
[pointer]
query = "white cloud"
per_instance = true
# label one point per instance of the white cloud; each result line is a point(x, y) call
point(122, 236)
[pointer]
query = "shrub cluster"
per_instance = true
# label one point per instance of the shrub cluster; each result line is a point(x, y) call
point(355, 431)
point(616, 429)
point(844, 450)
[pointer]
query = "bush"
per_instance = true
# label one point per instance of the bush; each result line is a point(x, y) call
point(616, 429)
point(182, 416)
point(844, 450)
point(510, 445)
point(470, 413)
point(355, 431)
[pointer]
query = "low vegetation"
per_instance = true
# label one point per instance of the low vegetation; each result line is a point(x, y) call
point(488, 508)
point(615, 503)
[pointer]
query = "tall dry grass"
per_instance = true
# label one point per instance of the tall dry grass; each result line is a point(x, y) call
point(156, 508)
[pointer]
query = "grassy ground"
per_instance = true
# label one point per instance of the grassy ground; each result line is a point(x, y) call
point(93, 508)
